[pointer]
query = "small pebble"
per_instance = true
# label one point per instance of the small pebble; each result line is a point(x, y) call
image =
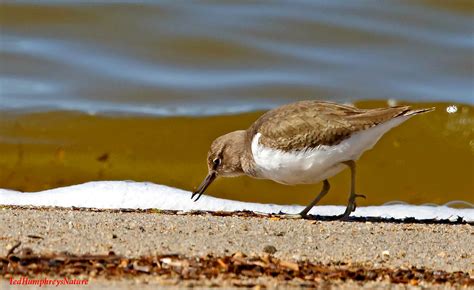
point(269, 249)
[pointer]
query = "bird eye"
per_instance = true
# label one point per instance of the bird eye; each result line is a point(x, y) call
point(217, 161)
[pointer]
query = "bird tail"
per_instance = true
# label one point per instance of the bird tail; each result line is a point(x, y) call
point(410, 112)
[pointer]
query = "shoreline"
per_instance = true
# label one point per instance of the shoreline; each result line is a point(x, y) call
point(246, 214)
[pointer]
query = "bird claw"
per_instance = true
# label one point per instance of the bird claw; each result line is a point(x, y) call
point(353, 203)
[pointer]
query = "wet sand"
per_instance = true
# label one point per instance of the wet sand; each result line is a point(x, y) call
point(365, 245)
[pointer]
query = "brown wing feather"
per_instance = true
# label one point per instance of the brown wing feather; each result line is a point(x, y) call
point(313, 123)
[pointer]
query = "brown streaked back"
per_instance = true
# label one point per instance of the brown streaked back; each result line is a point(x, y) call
point(308, 124)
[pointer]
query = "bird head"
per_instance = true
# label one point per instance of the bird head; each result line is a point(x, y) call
point(223, 159)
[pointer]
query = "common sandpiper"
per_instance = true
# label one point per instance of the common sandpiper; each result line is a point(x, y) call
point(303, 143)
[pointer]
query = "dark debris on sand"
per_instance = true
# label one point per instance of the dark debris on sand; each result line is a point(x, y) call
point(238, 265)
point(251, 214)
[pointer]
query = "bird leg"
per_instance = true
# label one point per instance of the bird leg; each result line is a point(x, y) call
point(323, 192)
point(304, 212)
point(351, 204)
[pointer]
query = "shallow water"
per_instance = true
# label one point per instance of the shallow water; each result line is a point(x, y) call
point(138, 89)
point(427, 159)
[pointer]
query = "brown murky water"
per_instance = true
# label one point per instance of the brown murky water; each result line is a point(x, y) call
point(138, 90)
point(427, 159)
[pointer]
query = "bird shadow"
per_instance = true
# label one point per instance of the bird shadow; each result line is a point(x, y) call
point(358, 219)
point(408, 220)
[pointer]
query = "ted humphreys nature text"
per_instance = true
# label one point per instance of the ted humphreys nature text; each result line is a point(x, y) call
point(46, 281)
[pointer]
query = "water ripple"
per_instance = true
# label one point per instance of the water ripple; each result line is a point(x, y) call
point(186, 58)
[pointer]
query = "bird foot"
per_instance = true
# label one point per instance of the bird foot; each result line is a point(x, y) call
point(351, 207)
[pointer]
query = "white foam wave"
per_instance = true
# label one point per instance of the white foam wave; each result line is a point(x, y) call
point(143, 195)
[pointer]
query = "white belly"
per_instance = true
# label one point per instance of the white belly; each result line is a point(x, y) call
point(314, 165)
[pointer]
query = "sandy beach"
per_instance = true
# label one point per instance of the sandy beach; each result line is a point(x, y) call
point(336, 247)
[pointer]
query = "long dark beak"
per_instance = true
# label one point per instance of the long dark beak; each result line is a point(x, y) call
point(204, 185)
